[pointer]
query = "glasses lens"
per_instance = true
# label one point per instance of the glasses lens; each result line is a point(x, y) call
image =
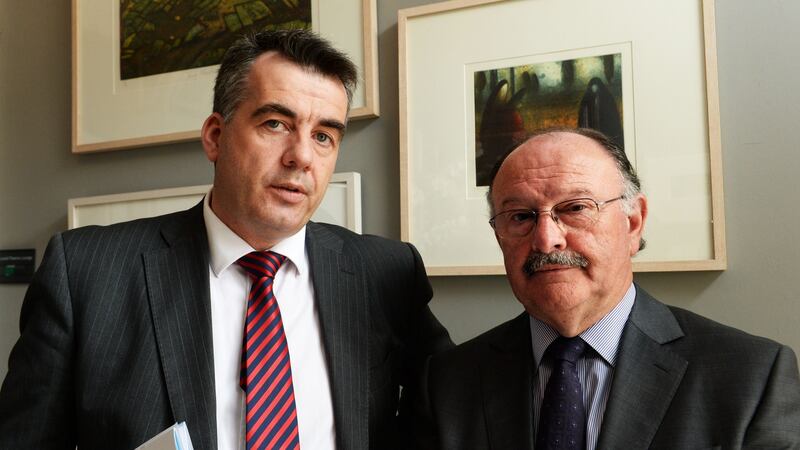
point(515, 223)
point(579, 213)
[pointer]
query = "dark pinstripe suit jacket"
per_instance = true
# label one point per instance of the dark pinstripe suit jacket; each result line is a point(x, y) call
point(116, 336)
point(681, 382)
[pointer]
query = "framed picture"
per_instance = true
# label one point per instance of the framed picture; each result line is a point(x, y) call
point(143, 72)
point(477, 74)
point(340, 206)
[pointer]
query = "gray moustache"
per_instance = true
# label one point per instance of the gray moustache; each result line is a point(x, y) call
point(538, 260)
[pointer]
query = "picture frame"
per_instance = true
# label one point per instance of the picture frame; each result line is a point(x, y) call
point(109, 113)
point(676, 129)
point(340, 206)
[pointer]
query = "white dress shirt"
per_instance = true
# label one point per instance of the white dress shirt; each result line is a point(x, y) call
point(295, 295)
point(595, 367)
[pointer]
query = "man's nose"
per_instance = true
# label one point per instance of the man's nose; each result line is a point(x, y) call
point(299, 153)
point(547, 234)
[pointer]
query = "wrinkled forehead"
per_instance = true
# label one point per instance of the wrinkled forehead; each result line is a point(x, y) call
point(557, 164)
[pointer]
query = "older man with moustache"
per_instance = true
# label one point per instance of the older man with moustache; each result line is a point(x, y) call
point(594, 361)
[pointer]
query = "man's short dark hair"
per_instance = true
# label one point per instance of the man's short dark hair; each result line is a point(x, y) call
point(303, 47)
point(630, 180)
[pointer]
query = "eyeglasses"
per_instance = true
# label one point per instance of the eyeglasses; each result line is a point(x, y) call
point(576, 214)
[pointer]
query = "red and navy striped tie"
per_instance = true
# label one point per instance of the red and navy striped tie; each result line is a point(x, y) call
point(271, 415)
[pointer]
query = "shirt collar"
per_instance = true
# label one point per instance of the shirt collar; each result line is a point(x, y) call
point(603, 336)
point(226, 247)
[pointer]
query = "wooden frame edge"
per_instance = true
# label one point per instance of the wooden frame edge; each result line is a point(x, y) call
point(402, 85)
point(706, 265)
point(147, 141)
point(74, 76)
point(371, 108)
point(434, 8)
point(714, 135)
point(444, 271)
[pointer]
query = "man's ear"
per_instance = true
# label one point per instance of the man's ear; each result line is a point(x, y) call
point(636, 221)
point(210, 135)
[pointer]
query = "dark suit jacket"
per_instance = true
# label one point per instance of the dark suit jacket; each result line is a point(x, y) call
point(116, 339)
point(681, 381)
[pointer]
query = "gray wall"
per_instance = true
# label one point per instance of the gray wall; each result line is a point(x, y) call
point(758, 46)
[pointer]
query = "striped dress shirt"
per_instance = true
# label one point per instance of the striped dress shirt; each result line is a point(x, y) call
point(595, 367)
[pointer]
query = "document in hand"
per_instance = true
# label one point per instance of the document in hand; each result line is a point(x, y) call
point(175, 437)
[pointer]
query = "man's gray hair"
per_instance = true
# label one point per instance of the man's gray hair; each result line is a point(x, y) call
point(302, 47)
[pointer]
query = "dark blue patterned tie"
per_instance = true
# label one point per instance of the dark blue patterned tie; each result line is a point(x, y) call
point(271, 414)
point(562, 421)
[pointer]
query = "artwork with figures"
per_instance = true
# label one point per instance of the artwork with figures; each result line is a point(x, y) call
point(160, 36)
point(510, 102)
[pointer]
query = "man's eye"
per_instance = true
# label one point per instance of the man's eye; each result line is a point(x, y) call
point(323, 138)
point(574, 207)
point(520, 216)
point(272, 123)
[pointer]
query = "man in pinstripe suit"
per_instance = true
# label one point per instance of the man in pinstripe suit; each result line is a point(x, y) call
point(130, 328)
point(569, 215)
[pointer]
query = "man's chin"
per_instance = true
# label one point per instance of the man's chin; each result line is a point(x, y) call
point(275, 224)
point(552, 303)
point(285, 229)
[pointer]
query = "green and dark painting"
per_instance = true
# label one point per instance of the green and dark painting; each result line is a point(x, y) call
point(160, 36)
point(514, 101)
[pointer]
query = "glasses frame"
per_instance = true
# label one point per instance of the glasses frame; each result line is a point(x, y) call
point(537, 214)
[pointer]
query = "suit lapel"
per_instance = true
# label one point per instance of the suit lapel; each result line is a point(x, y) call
point(340, 290)
point(646, 376)
point(506, 377)
point(178, 290)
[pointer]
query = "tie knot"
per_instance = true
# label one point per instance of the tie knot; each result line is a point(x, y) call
point(261, 264)
point(567, 349)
